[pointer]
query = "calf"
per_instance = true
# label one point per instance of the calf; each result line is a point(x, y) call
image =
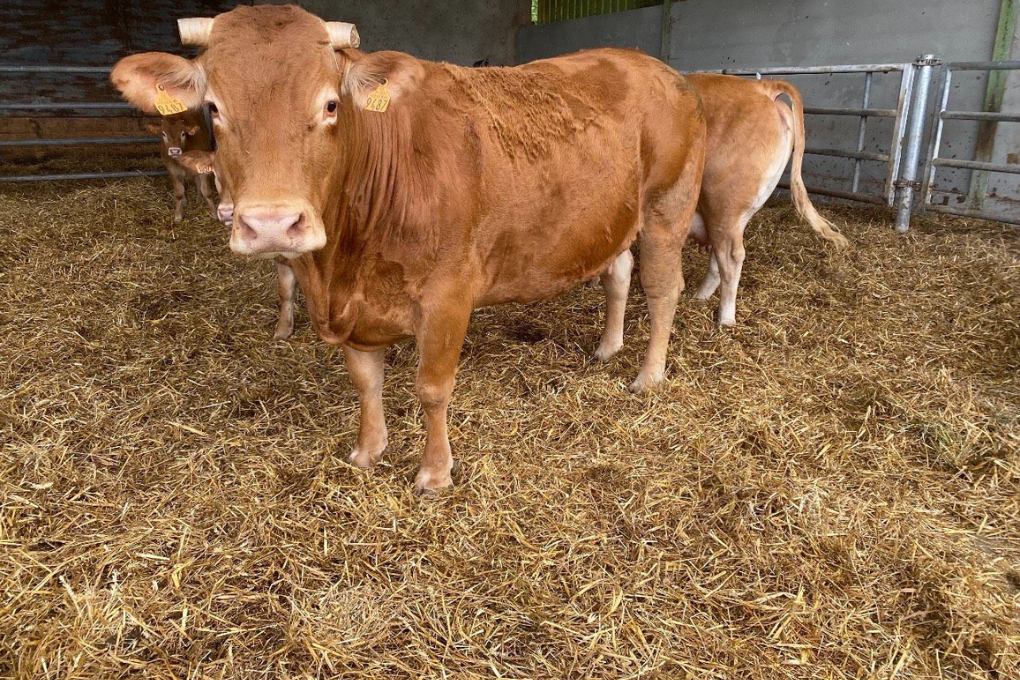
point(406, 193)
point(751, 136)
point(182, 133)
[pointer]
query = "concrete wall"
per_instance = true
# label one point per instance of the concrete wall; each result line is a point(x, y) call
point(716, 34)
point(457, 32)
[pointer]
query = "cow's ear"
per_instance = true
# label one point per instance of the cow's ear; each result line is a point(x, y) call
point(154, 128)
point(141, 78)
point(200, 162)
point(399, 73)
point(193, 130)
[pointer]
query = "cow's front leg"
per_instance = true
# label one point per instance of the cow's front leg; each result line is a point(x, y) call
point(180, 196)
point(286, 284)
point(366, 369)
point(440, 339)
point(206, 188)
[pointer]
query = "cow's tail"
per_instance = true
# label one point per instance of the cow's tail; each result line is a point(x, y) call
point(822, 226)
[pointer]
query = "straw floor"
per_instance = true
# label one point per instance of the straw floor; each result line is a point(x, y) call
point(829, 490)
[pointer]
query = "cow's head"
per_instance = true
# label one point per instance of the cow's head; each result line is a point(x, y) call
point(280, 86)
point(176, 131)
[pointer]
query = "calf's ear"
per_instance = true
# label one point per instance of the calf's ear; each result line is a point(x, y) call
point(200, 162)
point(399, 74)
point(176, 81)
point(154, 128)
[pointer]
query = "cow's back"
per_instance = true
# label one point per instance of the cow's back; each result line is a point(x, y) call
point(567, 150)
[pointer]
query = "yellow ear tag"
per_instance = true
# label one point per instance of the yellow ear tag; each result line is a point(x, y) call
point(166, 104)
point(378, 99)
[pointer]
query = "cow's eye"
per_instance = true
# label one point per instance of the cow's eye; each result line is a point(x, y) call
point(184, 135)
point(213, 111)
point(331, 107)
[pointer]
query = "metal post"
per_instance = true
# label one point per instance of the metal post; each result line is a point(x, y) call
point(924, 65)
point(861, 131)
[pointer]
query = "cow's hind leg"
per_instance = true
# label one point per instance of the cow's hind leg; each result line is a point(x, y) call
point(711, 281)
point(666, 222)
point(616, 283)
point(286, 284)
point(728, 254)
point(440, 339)
point(366, 370)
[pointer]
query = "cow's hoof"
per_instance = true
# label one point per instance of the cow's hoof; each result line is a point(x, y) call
point(646, 382)
point(178, 220)
point(430, 483)
point(365, 459)
point(283, 331)
point(722, 324)
point(607, 350)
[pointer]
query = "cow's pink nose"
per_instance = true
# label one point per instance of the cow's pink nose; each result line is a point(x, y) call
point(271, 226)
point(226, 213)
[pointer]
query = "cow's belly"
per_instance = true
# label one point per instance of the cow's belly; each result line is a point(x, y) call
point(536, 250)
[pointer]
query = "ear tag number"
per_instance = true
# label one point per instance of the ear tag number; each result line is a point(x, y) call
point(166, 104)
point(378, 99)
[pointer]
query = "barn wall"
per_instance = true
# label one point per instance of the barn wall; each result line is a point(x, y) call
point(714, 34)
point(457, 32)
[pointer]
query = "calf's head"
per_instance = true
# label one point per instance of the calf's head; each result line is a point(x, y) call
point(280, 86)
point(176, 131)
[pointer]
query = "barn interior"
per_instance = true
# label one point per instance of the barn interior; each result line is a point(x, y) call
point(828, 489)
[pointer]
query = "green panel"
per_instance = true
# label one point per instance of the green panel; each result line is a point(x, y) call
point(547, 11)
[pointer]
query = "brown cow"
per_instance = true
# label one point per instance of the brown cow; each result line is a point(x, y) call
point(182, 133)
point(751, 135)
point(406, 193)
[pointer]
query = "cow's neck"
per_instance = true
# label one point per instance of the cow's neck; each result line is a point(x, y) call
point(367, 214)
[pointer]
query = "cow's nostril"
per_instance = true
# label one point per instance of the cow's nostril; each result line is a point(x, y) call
point(247, 232)
point(295, 229)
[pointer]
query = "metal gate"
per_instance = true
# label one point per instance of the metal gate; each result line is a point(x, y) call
point(7, 107)
point(904, 151)
point(941, 114)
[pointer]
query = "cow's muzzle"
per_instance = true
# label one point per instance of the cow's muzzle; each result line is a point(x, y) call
point(174, 151)
point(288, 230)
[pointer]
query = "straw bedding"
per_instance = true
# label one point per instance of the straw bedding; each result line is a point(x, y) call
point(829, 490)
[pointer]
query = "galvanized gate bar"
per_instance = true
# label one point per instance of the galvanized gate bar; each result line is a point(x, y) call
point(63, 106)
point(835, 193)
point(843, 153)
point(1004, 65)
point(861, 129)
point(82, 175)
point(976, 165)
point(55, 69)
point(981, 115)
point(82, 141)
point(811, 70)
point(825, 111)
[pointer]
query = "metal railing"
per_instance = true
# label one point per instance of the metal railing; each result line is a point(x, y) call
point(940, 115)
point(6, 107)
